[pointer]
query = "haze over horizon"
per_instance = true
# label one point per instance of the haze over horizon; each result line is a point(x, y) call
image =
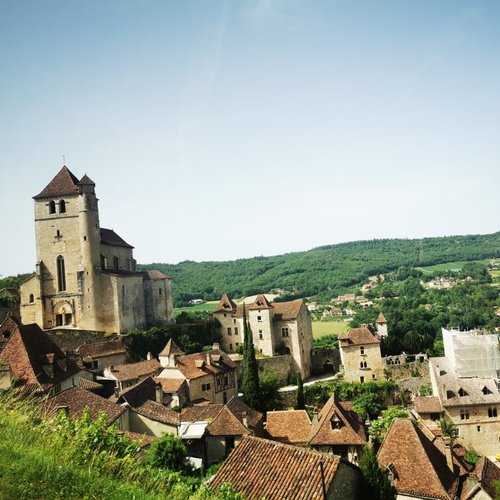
point(223, 130)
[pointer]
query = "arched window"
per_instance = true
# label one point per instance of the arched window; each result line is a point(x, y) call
point(52, 207)
point(62, 207)
point(61, 274)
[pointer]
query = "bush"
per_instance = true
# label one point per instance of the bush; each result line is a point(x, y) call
point(168, 452)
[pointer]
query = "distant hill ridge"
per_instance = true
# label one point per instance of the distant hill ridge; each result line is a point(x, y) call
point(323, 270)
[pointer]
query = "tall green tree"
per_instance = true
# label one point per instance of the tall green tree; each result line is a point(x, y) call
point(250, 377)
point(301, 402)
point(376, 484)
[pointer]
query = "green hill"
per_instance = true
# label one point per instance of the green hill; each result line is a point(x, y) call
point(324, 270)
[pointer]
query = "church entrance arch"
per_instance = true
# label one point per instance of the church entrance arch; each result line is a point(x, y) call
point(63, 314)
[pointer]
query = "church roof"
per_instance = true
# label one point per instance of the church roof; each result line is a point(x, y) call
point(154, 274)
point(109, 237)
point(63, 184)
point(86, 180)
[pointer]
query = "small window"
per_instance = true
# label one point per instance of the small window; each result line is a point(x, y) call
point(159, 290)
point(374, 376)
point(59, 319)
point(462, 393)
point(229, 331)
point(62, 207)
point(61, 274)
point(259, 318)
point(58, 234)
point(236, 330)
point(234, 320)
point(362, 350)
point(362, 380)
point(478, 428)
point(261, 337)
point(230, 347)
point(285, 332)
point(492, 412)
point(6, 334)
point(32, 298)
point(464, 415)
point(52, 207)
point(205, 387)
point(116, 262)
point(485, 391)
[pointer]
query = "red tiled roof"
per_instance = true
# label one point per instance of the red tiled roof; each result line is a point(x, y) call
point(260, 302)
point(28, 349)
point(88, 385)
point(159, 413)
point(292, 426)
point(226, 305)
point(63, 184)
point(109, 237)
point(486, 472)
point(154, 274)
point(170, 385)
point(144, 440)
point(350, 429)
point(288, 310)
point(135, 396)
point(135, 370)
point(358, 336)
point(195, 365)
point(259, 468)
point(428, 404)
point(419, 467)
point(226, 424)
point(381, 319)
point(200, 413)
point(239, 408)
point(77, 400)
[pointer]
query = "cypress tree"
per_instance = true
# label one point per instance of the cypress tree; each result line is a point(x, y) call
point(250, 377)
point(301, 402)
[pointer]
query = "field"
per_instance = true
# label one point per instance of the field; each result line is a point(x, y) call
point(321, 328)
point(449, 266)
point(205, 307)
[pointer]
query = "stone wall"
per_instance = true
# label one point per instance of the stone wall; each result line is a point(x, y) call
point(325, 361)
point(71, 339)
point(281, 366)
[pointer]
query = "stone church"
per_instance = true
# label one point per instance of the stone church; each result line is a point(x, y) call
point(86, 276)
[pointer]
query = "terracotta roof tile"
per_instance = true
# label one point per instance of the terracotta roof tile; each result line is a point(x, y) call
point(260, 302)
point(133, 371)
point(154, 274)
point(89, 385)
point(259, 468)
point(287, 310)
point(427, 404)
point(97, 350)
point(86, 180)
point(486, 472)
point(292, 426)
point(419, 466)
point(77, 400)
point(171, 348)
point(226, 305)
point(159, 413)
point(226, 424)
point(381, 319)
point(64, 183)
point(143, 391)
point(200, 413)
point(170, 385)
point(144, 439)
point(358, 336)
point(195, 365)
point(347, 428)
point(109, 237)
point(239, 408)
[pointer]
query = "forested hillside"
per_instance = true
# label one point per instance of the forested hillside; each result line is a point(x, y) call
point(322, 271)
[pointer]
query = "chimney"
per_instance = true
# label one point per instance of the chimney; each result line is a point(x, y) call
point(447, 452)
point(314, 419)
point(117, 392)
point(159, 394)
point(216, 346)
point(209, 359)
point(245, 419)
point(149, 356)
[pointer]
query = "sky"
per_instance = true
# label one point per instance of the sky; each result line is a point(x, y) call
point(217, 130)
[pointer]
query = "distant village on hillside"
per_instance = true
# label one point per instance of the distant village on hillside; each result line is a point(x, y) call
point(283, 413)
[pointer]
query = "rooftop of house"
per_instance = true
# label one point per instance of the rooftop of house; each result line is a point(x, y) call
point(226, 423)
point(260, 468)
point(200, 413)
point(96, 350)
point(358, 336)
point(418, 466)
point(171, 349)
point(282, 310)
point(381, 319)
point(158, 412)
point(143, 391)
point(109, 237)
point(241, 409)
point(338, 424)
point(484, 474)
point(77, 400)
point(462, 391)
point(35, 360)
point(133, 371)
point(154, 274)
point(291, 426)
point(201, 364)
point(170, 385)
point(427, 404)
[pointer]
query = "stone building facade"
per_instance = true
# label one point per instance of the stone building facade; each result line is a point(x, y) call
point(277, 328)
point(86, 276)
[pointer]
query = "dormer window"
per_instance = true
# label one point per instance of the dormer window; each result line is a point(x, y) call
point(62, 207)
point(335, 422)
point(462, 393)
point(52, 207)
point(485, 391)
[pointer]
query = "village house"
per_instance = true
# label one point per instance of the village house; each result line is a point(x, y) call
point(466, 382)
point(289, 426)
point(339, 430)
point(429, 410)
point(480, 483)
point(256, 469)
point(130, 374)
point(86, 276)
point(210, 375)
point(97, 356)
point(419, 464)
point(36, 364)
point(277, 328)
point(361, 356)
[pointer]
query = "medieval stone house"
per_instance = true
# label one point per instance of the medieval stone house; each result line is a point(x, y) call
point(86, 276)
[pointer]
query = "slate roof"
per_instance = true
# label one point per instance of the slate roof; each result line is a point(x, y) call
point(97, 350)
point(27, 350)
point(132, 371)
point(350, 431)
point(292, 426)
point(358, 336)
point(226, 423)
point(109, 237)
point(77, 400)
point(427, 404)
point(419, 467)
point(86, 180)
point(63, 184)
point(260, 468)
point(171, 348)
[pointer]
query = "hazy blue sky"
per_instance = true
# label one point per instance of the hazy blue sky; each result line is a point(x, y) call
point(224, 129)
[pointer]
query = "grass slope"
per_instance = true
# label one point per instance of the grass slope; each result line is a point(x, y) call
point(324, 270)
